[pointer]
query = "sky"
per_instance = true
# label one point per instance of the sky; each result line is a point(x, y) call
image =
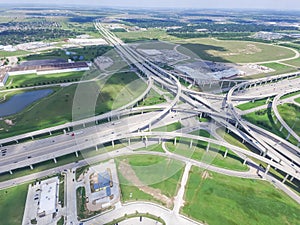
point(231, 4)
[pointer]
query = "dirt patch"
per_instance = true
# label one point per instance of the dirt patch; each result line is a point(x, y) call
point(9, 122)
point(127, 172)
point(205, 175)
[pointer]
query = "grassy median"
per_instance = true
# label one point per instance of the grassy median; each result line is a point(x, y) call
point(217, 199)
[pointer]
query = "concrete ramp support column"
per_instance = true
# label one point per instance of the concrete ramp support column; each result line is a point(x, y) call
point(207, 147)
point(113, 144)
point(191, 143)
point(285, 178)
point(267, 169)
point(225, 154)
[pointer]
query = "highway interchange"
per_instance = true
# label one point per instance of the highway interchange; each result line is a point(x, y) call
point(131, 122)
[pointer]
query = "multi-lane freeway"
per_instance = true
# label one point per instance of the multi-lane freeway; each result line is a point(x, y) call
point(130, 121)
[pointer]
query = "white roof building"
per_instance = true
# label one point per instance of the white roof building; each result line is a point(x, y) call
point(49, 197)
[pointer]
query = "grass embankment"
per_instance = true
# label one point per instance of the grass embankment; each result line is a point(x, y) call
point(71, 102)
point(254, 104)
point(233, 139)
point(153, 99)
point(37, 80)
point(169, 127)
point(263, 118)
point(12, 201)
point(215, 155)
point(154, 171)
point(235, 200)
point(126, 217)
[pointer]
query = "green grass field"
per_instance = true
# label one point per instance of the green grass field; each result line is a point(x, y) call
point(169, 127)
point(154, 171)
point(279, 68)
point(221, 200)
point(290, 95)
point(201, 132)
point(213, 49)
point(231, 138)
point(152, 99)
point(291, 115)
point(56, 108)
point(263, 118)
point(152, 148)
point(234, 51)
point(15, 53)
point(251, 105)
point(12, 201)
point(293, 62)
point(34, 79)
point(214, 156)
point(297, 100)
point(150, 34)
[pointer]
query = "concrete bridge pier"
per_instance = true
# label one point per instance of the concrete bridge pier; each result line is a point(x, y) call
point(32, 138)
point(54, 159)
point(285, 178)
point(281, 128)
point(207, 147)
point(288, 136)
point(225, 154)
point(96, 147)
point(191, 143)
point(175, 141)
point(292, 178)
point(10, 172)
point(31, 167)
point(245, 161)
point(267, 169)
point(17, 141)
point(128, 141)
point(113, 144)
point(50, 132)
point(68, 128)
point(146, 142)
point(83, 125)
point(76, 153)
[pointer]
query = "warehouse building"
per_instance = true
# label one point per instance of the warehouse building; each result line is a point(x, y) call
point(48, 68)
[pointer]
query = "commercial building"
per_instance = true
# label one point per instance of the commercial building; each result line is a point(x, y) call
point(48, 68)
point(48, 197)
